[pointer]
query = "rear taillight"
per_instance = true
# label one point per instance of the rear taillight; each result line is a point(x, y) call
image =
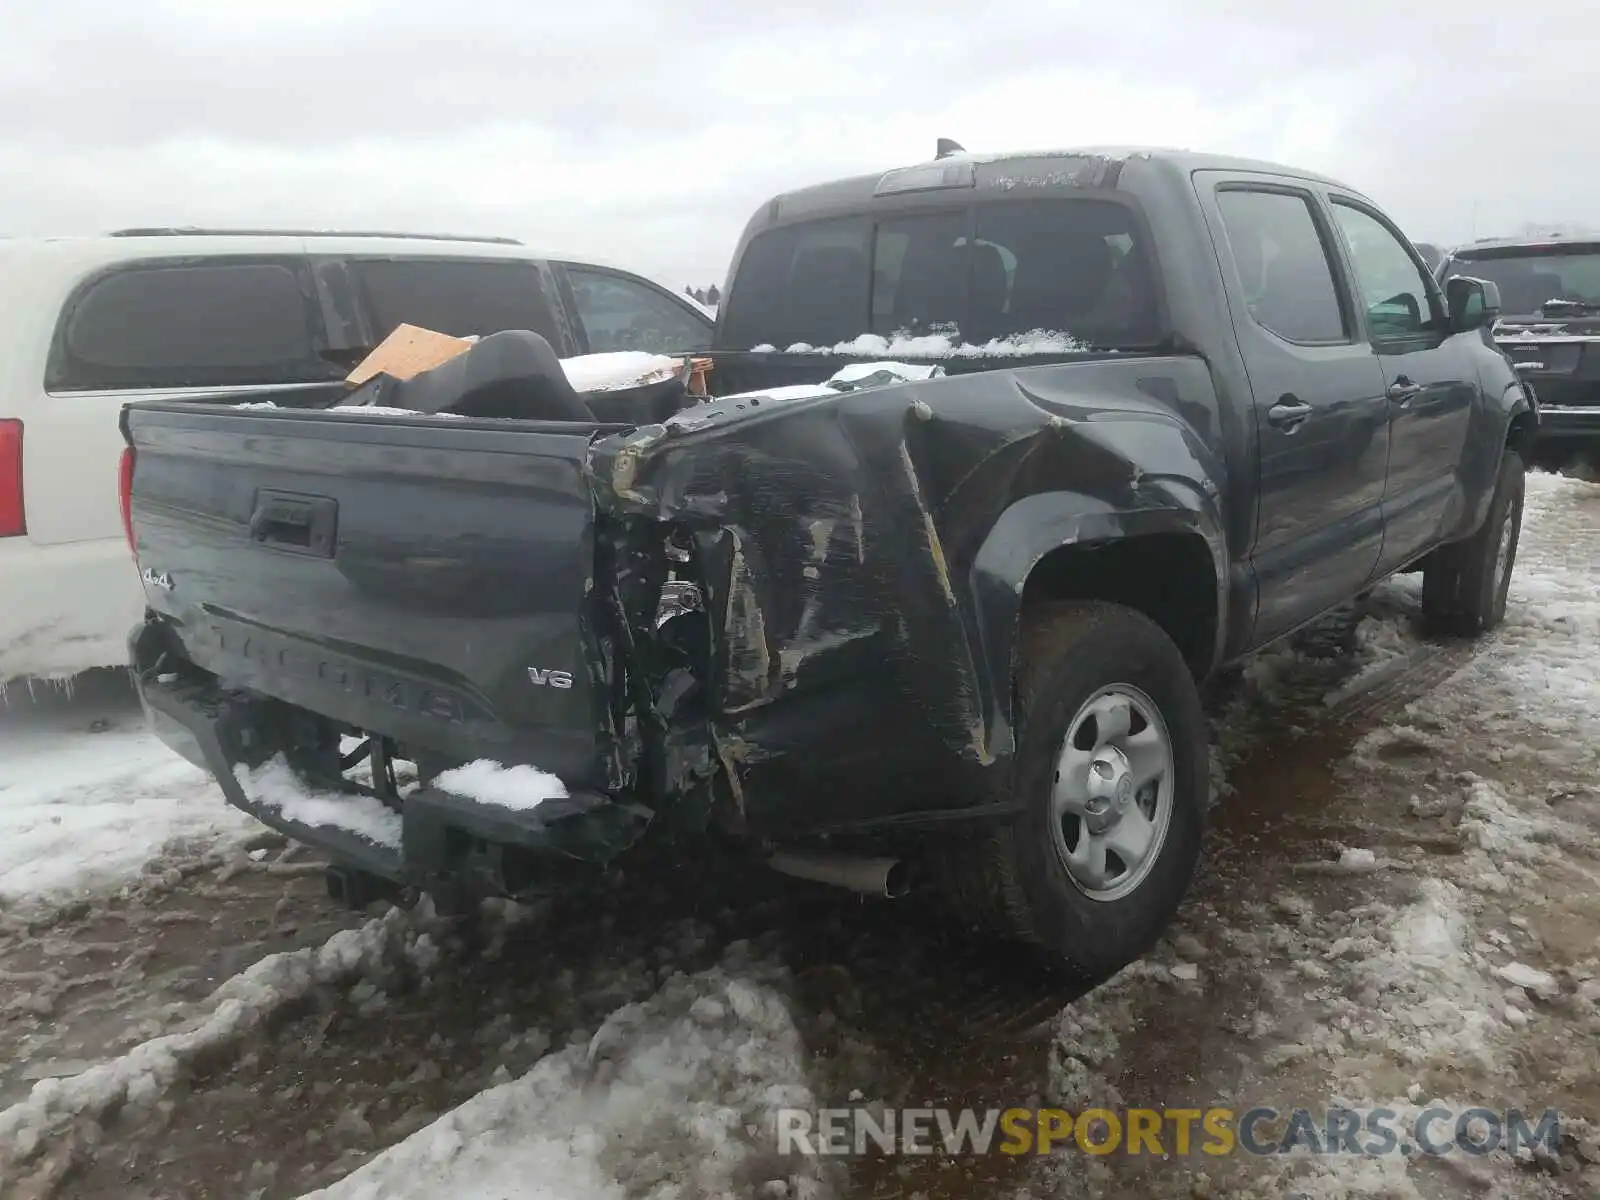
point(13, 519)
point(125, 496)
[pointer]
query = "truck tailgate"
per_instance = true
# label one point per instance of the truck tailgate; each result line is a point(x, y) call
point(422, 578)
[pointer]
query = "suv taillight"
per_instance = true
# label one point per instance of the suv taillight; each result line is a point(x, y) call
point(125, 496)
point(13, 520)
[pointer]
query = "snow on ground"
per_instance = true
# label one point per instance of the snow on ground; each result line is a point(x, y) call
point(142, 1076)
point(1459, 965)
point(88, 796)
point(673, 1097)
point(1417, 921)
point(1541, 674)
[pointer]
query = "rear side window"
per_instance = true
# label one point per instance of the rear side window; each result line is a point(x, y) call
point(803, 283)
point(919, 274)
point(619, 313)
point(1078, 267)
point(1283, 265)
point(455, 296)
point(188, 325)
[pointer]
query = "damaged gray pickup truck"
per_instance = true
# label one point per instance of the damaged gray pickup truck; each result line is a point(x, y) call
point(1004, 456)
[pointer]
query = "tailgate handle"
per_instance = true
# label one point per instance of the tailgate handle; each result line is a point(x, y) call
point(305, 524)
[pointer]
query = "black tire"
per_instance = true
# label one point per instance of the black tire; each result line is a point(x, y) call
point(1014, 882)
point(1463, 588)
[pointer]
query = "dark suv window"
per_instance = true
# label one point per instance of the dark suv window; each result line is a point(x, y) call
point(1078, 267)
point(619, 313)
point(1283, 264)
point(460, 297)
point(171, 325)
point(1531, 277)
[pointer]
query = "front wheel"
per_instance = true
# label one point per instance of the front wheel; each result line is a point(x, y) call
point(1465, 584)
point(1111, 773)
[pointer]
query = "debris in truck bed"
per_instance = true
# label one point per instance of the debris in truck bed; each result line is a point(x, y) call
point(408, 351)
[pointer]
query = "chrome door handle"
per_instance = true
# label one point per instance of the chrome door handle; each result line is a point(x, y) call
point(1403, 390)
point(1288, 414)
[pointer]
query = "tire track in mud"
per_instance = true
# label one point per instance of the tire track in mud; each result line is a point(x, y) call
point(1394, 685)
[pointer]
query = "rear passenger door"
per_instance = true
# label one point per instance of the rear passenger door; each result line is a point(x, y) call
point(618, 311)
point(1321, 418)
point(194, 329)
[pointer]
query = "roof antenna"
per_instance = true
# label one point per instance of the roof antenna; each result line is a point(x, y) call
point(946, 147)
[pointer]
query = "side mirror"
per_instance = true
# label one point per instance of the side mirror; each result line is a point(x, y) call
point(1473, 303)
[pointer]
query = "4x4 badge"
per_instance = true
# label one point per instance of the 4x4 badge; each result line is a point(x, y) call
point(157, 579)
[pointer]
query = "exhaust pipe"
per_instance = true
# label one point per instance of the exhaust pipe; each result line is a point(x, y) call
point(885, 877)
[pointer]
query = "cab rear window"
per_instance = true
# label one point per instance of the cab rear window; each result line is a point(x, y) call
point(1075, 267)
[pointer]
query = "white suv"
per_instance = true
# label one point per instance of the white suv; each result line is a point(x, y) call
point(91, 323)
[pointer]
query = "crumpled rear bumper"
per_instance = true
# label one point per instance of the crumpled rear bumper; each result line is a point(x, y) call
point(448, 844)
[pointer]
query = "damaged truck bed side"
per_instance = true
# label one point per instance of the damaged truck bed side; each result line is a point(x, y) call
point(1161, 410)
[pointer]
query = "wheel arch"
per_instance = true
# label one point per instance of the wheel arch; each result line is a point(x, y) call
point(1167, 561)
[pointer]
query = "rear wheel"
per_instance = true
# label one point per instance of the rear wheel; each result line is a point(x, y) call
point(1111, 773)
point(1465, 584)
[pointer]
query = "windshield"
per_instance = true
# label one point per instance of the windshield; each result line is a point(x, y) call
point(1527, 281)
point(1009, 268)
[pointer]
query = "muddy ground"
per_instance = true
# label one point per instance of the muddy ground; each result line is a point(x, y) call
point(1377, 854)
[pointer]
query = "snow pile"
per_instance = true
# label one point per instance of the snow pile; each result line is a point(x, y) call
point(939, 345)
point(88, 797)
point(144, 1074)
point(519, 788)
point(618, 370)
point(275, 786)
point(673, 1097)
point(1418, 994)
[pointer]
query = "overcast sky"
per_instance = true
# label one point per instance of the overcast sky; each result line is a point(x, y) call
point(645, 131)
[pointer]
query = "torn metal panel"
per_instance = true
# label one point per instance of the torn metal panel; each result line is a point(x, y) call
point(848, 556)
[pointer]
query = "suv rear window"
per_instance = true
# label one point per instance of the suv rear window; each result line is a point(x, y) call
point(1078, 267)
point(192, 324)
point(455, 296)
point(1527, 280)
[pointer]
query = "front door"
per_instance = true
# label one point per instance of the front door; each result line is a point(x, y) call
point(1322, 422)
point(1429, 380)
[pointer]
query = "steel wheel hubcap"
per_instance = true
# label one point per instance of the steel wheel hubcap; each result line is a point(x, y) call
point(1111, 799)
point(1502, 554)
